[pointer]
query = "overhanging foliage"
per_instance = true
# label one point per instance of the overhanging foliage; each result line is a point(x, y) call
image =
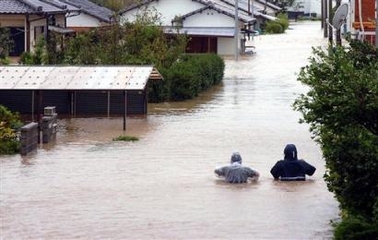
point(341, 108)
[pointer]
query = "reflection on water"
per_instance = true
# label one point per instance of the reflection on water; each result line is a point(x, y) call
point(86, 186)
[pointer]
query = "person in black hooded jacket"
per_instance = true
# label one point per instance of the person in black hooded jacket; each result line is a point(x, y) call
point(235, 172)
point(290, 168)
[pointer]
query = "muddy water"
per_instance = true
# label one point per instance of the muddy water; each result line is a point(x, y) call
point(85, 186)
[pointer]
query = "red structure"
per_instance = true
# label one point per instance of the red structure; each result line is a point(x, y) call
point(366, 23)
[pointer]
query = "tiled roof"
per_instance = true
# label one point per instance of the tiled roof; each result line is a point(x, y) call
point(88, 7)
point(28, 6)
point(227, 10)
point(11, 6)
point(55, 6)
point(226, 7)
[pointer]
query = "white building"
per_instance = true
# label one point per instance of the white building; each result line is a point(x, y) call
point(210, 24)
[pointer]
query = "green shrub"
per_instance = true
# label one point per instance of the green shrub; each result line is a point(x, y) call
point(9, 146)
point(342, 110)
point(283, 20)
point(9, 123)
point(187, 77)
point(4, 61)
point(126, 138)
point(273, 27)
point(277, 26)
point(352, 228)
point(26, 58)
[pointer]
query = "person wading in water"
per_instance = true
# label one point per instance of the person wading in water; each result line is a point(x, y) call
point(290, 168)
point(235, 172)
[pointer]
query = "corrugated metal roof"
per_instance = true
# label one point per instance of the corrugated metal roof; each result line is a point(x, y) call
point(76, 77)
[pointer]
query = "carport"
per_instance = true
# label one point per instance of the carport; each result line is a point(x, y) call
point(83, 91)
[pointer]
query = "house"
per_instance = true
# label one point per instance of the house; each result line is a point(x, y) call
point(364, 19)
point(77, 90)
point(91, 15)
point(29, 20)
point(311, 8)
point(209, 24)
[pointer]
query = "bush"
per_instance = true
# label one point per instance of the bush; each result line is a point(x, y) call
point(279, 25)
point(273, 27)
point(342, 110)
point(353, 228)
point(283, 20)
point(9, 146)
point(4, 61)
point(190, 75)
point(126, 138)
point(187, 77)
point(9, 123)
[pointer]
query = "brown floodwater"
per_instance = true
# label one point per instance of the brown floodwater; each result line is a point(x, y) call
point(86, 186)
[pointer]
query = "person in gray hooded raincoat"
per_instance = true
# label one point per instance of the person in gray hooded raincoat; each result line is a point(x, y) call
point(235, 172)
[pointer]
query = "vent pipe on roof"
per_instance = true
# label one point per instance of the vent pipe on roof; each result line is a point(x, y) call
point(31, 4)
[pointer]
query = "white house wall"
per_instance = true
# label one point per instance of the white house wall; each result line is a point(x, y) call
point(83, 20)
point(209, 18)
point(312, 6)
point(36, 24)
point(168, 10)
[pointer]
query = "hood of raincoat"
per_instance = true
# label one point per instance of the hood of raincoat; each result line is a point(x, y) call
point(290, 152)
point(236, 157)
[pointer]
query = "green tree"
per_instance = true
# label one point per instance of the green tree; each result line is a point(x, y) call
point(9, 122)
point(83, 49)
point(6, 44)
point(342, 110)
point(39, 56)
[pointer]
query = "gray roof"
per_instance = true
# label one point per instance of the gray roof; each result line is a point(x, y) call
point(55, 6)
point(203, 31)
point(271, 5)
point(76, 77)
point(208, 4)
point(90, 8)
point(224, 6)
point(29, 6)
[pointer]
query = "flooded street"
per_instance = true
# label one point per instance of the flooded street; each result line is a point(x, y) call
point(85, 186)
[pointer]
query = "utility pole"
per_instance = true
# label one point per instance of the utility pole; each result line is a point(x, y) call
point(325, 18)
point(330, 28)
point(338, 31)
point(376, 24)
point(236, 30)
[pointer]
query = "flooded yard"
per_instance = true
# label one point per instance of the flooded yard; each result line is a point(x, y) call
point(86, 186)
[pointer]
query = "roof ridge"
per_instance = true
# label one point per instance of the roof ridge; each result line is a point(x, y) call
point(32, 5)
point(72, 4)
point(55, 4)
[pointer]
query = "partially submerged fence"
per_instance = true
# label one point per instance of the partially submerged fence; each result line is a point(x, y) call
point(31, 132)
